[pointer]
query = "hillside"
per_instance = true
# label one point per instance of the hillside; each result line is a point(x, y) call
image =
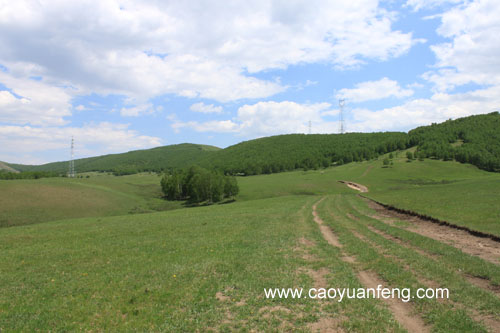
point(29, 201)
point(155, 159)
point(474, 140)
point(4, 167)
point(132, 271)
point(294, 151)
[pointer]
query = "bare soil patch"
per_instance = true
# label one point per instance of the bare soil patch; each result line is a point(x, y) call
point(221, 297)
point(319, 277)
point(482, 247)
point(306, 242)
point(267, 311)
point(483, 283)
point(352, 217)
point(401, 311)
point(303, 249)
point(327, 325)
point(355, 186)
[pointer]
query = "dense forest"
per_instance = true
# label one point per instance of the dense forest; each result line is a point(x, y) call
point(7, 175)
point(155, 159)
point(198, 185)
point(295, 151)
point(474, 140)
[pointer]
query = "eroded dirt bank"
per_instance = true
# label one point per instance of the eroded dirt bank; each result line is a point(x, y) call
point(479, 244)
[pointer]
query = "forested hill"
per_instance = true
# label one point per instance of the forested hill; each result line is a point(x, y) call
point(474, 140)
point(155, 159)
point(293, 151)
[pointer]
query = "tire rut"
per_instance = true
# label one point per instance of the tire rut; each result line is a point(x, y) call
point(402, 312)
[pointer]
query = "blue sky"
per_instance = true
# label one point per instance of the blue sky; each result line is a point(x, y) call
point(125, 75)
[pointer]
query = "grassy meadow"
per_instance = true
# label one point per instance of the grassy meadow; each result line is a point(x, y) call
point(27, 201)
point(106, 253)
point(458, 193)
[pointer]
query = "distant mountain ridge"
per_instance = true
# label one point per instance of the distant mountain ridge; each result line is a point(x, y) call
point(474, 140)
point(154, 159)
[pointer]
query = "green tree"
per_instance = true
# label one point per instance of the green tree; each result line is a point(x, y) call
point(198, 185)
point(230, 187)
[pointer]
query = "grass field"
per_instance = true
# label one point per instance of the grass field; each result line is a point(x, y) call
point(459, 193)
point(181, 270)
point(47, 199)
point(194, 269)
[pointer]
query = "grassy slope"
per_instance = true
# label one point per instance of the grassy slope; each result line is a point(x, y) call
point(458, 193)
point(173, 156)
point(161, 271)
point(41, 200)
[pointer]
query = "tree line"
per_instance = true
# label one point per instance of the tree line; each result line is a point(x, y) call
point(6, 175)
point(197, 185)
point(474, 140)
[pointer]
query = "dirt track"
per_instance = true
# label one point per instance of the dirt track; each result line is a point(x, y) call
point(402, 312)
point(483, 247)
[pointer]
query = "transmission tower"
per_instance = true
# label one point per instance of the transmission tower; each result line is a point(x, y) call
point(310, 127)
point(341, 106)
point(71, 172)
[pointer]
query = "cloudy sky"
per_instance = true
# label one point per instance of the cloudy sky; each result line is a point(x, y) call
point(120, 75)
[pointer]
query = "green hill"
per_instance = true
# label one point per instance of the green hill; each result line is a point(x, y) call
point(474, 140)
point(5, 168)
point(294, 151)
point(155, 159)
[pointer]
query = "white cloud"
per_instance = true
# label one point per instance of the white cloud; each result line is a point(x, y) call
point(472, 55)
point(428, 4)
point(272, 118)
point(193, 49)
point(218, 126)
point(137, 110)
point(32, 102)
point(418, 112)
point(269, 118)
point(91, 140)
point(204, 108)
point(374, 90)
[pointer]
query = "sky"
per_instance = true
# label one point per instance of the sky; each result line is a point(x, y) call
point(121, 75)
